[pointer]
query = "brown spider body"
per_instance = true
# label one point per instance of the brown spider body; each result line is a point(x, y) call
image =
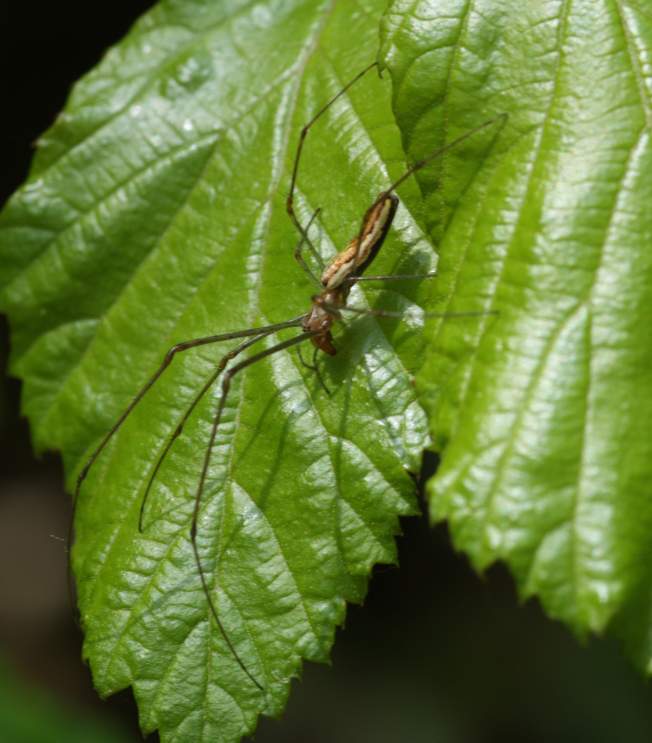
point(340, 274)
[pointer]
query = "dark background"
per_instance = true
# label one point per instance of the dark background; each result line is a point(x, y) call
point(437, 653)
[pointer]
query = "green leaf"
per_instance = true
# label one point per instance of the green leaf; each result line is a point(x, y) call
point(543, 414)
point(155, 213)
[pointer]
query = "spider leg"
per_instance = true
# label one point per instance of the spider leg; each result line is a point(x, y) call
point(167, 360)
point(226, 384)
point(444, 149)
point(390, 277)
point(314, 366)
point(299, 250)
point(388, 313)
point(303, 231)
point(179, 429)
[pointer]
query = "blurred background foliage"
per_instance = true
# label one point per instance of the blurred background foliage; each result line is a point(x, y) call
point(436, 654)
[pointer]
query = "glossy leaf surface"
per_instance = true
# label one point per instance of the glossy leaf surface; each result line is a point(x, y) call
point(155, 213)
point(543, 414)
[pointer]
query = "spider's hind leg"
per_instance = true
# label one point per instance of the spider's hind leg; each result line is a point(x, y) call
point(314, 367)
